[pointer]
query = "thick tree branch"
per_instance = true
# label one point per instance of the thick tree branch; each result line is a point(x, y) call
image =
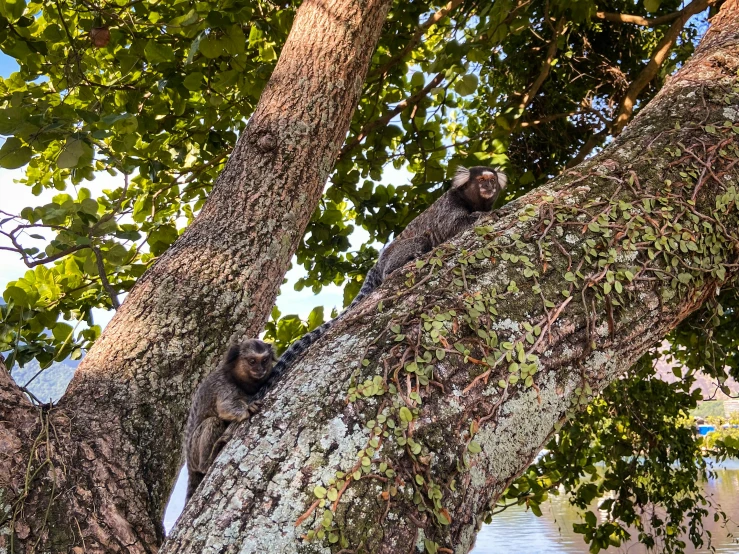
point(411, 416)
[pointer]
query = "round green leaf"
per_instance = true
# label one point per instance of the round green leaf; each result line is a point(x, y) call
point(13, 154)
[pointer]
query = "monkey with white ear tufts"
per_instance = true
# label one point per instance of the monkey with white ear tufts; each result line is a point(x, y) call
point(473, 193)
point(225, 396)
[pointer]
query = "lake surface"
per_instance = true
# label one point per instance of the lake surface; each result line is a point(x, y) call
point(517, 530)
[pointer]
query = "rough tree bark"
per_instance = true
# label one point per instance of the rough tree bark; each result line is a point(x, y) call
point(403, 424)
point(94, 473)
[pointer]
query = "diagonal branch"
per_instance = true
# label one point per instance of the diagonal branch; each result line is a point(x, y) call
point(400, 106)
point(658, 57)
point(546, 68)
point(104, 278)
point(417, 36)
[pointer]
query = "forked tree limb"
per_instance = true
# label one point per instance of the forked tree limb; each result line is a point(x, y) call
point(94, 473)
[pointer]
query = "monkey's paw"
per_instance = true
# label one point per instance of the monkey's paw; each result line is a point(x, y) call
point(255, 407)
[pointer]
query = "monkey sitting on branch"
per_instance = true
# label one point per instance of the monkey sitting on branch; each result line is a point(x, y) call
point(473, 193)
point(225, 396)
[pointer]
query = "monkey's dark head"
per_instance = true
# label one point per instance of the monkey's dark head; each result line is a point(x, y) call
point(251, 362)
point(480, 186)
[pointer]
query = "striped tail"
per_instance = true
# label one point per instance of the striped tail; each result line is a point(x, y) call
point(193, 482)
point(296, 349)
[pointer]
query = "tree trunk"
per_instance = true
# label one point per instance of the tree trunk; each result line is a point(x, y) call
point(409, 418)
point(94, 473)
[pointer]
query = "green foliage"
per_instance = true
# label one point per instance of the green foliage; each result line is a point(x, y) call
point(160, 91)
point(725, 438)
point(709, 339)
point(283, 331)
point(641, 461)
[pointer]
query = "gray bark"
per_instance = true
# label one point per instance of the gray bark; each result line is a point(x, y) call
point(659, 209)
point(94, 474)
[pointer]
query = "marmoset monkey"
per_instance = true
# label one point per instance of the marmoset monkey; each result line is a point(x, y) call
point(224, 397)
point(473, 192)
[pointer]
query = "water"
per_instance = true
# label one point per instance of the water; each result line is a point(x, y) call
point(518, 530)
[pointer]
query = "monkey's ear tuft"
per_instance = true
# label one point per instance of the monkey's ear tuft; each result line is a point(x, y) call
point(233, 354)
point(502, 178)
point(271, 348)
point(461, 177)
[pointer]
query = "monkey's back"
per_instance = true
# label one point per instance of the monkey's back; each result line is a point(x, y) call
point(204, 404)
point(441, 221)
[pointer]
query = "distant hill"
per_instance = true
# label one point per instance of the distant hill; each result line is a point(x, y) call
point(51, 383)
point(707, 385)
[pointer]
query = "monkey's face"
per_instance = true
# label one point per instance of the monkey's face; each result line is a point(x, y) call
point(254, 363)
point(253, 367)
point(487, 181)
point(479, 182)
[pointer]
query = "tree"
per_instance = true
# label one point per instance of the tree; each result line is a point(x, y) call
point(153, 120)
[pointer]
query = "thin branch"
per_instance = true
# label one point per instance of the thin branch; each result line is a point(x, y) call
point(546, 68)
point(417, 36)
point(410, 101)
point(593, 141)
point(626, 106)
point(637, 19)
point(548, 118)
point(659, 55)
point(104, 278)
point(110, 215)
point(72, 249)
point(33, 263)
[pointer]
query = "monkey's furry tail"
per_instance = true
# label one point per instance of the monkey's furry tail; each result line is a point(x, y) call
point(193, 481)
point(296, 349)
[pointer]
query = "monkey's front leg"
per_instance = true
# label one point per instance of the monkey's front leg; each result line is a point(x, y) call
point(233, 409)
point(238, 409)
point(255, 407)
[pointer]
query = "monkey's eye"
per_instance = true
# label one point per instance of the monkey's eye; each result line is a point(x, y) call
point(252, 361)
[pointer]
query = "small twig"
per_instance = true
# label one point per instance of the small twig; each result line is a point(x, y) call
point(307, 514)
point(104, 278)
